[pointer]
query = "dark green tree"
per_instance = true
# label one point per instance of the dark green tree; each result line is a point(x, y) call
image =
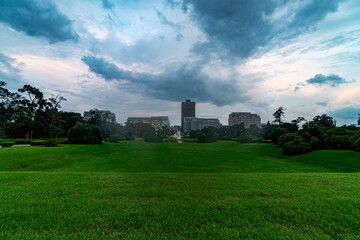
point(324, 121)
point(8, 105)
point(31, 104)
point(68, 120)
point(280, 112)
point(50, 116)
point(85, 133)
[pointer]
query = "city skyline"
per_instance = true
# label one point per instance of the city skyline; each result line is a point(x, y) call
point(144, 57)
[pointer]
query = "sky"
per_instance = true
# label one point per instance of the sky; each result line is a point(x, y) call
point(143, 57)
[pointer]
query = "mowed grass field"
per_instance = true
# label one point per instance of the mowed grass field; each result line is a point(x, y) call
point(138, 190)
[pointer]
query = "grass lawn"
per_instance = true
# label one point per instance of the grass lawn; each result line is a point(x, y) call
point(137, 190)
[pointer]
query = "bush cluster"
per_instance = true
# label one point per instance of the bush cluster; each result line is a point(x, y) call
point(170, 139)
point(189, 139)
point(314, 138)
point(115, 138)
point(22, 141)
point(298, 145)
point(38, 143)
point(85, 133)
point(7, 144)
point(51, 142)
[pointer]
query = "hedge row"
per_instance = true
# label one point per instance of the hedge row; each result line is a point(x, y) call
point(7, 144)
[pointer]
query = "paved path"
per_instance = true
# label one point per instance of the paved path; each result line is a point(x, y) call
point(20, 145)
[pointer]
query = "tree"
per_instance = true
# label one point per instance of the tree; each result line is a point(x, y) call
point(8, 105)
point(51, 116)
point(324, 121)
point(298, 120)
point(68, 120)
point(280, 112)
point(28, 107)
point(85, 133)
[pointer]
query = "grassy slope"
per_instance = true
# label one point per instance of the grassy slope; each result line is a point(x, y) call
point(172, 157)
point(209, 191)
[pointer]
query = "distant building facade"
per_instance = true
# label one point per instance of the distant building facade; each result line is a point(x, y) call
point(187, 110)
point(246, 118)
point(102, 115)
point(208, 122)
point(157, 122)
point(190, 123)
point(194, 123)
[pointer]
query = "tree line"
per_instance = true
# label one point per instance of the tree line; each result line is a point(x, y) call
point(27, 114)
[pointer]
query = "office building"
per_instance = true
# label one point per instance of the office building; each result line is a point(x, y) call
point(246, 118)
point(157, 122)
point(102, 115)
point(208, 122)
point(187, 110)
point(194, 123)
point(190, 123)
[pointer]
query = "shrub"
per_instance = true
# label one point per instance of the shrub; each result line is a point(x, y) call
point(287, 137)
point(170, 139)
point(7, 144)
point(85, 133)
point(314, 143)
point(356, 144)
point(22, 141)
point(340, 141)
point(189, 139)
point(340, 138)
point(153, 136)
point(246, 137)
point(115, 138)
point(51, 142)
point(296, 147)
point(62, 140)
point(38, 143)
point(276, 133)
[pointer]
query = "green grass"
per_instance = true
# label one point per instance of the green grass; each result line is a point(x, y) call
point(137, 190)
point(138, 156)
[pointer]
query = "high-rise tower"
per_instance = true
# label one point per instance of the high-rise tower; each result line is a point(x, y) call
point(187, 110)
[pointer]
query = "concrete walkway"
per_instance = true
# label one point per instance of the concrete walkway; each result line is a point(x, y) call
point(20, 145)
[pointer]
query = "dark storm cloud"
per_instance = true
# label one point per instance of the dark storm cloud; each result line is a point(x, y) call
point(347, 113)
point(175, 84)
point(107, 4)
point(239, 28)
point(333, 80)
point(313, 12)
point(38, 19)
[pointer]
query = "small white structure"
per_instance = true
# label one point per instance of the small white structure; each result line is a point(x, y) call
point(178, 136)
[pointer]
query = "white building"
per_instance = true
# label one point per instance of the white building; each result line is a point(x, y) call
point(247, 118)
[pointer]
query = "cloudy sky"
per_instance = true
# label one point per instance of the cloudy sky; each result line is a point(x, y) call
point(143, 57)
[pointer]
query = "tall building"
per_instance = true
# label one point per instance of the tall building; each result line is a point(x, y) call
point(194, 123)
point(187, 110)
point(157, 122)
point(102, 115)
point(246, 118)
